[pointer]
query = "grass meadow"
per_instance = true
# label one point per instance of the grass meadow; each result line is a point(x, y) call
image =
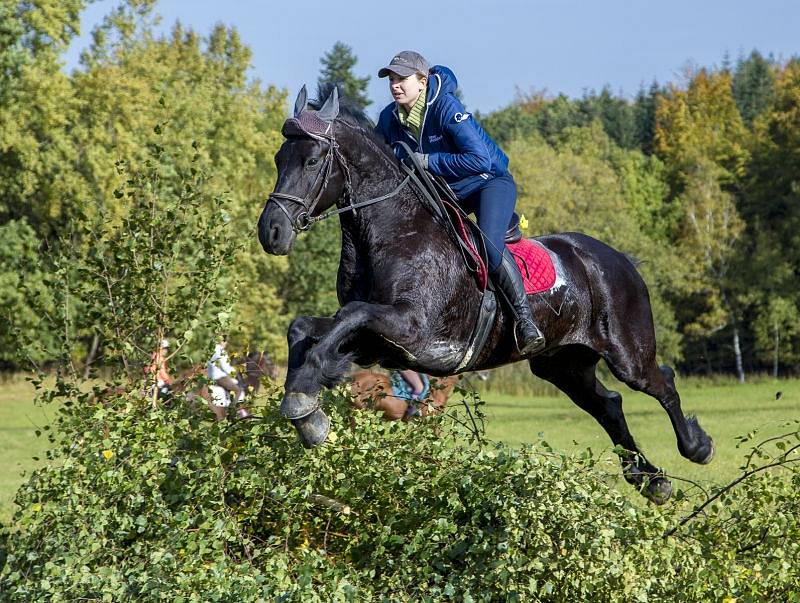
point(19, 420)
point(726, 409)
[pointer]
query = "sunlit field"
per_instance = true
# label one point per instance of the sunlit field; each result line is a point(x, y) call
point(19, 420)
point(725, 412)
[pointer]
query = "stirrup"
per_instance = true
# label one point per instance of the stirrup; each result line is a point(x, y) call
point(534, 345)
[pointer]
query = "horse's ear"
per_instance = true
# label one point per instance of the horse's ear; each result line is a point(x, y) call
point(301, 102)
point(330, 110)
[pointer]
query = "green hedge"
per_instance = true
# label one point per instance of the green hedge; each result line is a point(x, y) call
point(144, 504)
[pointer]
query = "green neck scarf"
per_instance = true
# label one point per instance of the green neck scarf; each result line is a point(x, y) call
point(413, 119)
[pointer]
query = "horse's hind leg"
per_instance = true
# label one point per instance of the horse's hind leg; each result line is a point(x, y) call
point(573, 372)
point(659, 382)
point(693, 442)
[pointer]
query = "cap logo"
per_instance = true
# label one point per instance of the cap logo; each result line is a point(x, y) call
point(399, 60)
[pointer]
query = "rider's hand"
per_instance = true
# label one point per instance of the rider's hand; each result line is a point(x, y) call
point(422, 158)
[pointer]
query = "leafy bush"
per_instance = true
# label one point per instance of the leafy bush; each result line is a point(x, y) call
point(163, 269)
point(22, 280)
point(143, 503)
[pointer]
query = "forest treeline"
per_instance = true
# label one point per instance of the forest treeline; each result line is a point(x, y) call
point(697, 178)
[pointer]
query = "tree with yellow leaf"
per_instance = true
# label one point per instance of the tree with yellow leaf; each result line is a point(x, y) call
point(131, 79)
point(702, 141)
point(701, 122)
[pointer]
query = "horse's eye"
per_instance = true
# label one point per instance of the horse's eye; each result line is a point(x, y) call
point(312, 162)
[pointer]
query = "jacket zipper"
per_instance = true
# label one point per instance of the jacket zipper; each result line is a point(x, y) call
point(427, 108)
point(424, 117)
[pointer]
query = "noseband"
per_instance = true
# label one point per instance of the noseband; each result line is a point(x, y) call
point(304, 220)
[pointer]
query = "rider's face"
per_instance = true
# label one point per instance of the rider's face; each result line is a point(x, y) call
point(406, 90)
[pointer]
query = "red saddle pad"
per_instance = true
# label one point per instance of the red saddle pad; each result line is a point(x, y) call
point(535, 264)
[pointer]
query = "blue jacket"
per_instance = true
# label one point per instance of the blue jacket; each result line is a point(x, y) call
point(458, 148)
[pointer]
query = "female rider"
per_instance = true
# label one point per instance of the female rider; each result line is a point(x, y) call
point(448, 141)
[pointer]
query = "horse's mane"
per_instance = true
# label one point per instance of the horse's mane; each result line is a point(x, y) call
point(352, 114)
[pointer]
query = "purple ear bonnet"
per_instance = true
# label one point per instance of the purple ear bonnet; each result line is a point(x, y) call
point(307, 124)
point(317, 124)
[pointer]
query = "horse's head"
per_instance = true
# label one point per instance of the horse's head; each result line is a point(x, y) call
point(312, 174)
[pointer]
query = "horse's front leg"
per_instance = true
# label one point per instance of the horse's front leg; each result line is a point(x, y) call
point(327, 361)
point(304, 332)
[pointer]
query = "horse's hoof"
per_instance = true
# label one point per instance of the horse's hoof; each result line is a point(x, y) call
point(297, 405)
point(711, 453)
point(704, 454)
point(658, 490)
point(703, 451)
point(313, 429)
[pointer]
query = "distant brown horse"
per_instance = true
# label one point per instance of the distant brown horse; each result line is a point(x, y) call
point(374, 390)
point(256, 366)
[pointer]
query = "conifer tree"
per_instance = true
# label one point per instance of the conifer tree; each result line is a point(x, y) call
point(644, 111)
point(753, 84)
point(337, 68)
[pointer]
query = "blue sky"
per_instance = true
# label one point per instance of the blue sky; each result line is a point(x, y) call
point(494, 47)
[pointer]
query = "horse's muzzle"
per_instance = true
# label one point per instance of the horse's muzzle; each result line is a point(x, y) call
point(275, 232)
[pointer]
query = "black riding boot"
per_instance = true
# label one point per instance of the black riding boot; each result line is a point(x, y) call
point(508, 279)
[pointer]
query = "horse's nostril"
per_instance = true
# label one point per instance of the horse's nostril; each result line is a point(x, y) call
point(274, 233)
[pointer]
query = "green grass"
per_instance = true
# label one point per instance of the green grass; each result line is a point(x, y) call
point(724, 410)
point(19, 420)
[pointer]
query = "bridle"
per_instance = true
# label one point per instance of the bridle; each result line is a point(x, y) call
point(304, 220)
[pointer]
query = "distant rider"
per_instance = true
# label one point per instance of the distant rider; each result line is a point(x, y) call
point(158, 367)
point(412, 387)
point(221, 372)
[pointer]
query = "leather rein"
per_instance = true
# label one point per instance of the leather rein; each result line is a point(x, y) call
point(422, 182)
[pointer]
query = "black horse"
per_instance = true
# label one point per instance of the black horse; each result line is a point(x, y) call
point(408, 300)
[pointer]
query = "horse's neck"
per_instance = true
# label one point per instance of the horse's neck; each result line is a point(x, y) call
point(367, 231)
point(376, 223)
point(374, 227)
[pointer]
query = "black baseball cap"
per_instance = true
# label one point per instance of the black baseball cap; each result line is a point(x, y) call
point(405, 63)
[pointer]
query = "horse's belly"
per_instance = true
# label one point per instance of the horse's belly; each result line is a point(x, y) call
point(440, 357)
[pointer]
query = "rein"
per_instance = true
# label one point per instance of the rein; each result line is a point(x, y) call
point(424, 185)
point(360, 204)
point(304, 219)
